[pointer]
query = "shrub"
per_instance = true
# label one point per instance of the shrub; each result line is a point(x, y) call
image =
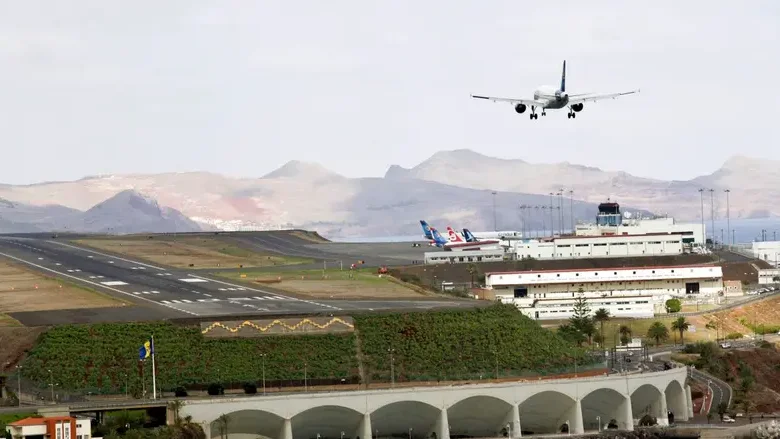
point(180, 392)
point(250, 388)
point(216, 389)
point(647, 421)
point(734, 336)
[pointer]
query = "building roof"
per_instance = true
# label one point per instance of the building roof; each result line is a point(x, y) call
point(602, 269)
point(38, 421)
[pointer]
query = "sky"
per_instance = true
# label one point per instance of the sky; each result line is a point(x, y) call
point(241, 87)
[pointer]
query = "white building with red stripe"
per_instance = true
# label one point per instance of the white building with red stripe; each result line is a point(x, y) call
point(624, 291)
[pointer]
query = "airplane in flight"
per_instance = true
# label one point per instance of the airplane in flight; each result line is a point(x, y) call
point(547, 97)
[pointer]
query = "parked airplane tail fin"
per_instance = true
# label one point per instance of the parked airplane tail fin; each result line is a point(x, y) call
point(437, 236)
point(469, 236)
point(454, 237)
point(426, 229)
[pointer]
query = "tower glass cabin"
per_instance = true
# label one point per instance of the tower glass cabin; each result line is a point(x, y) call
point(609, 215)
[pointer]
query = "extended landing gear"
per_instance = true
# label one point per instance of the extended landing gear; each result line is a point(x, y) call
point(572, 114)
point(533, 114)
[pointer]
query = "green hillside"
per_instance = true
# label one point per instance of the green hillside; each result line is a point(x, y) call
point(443, 345)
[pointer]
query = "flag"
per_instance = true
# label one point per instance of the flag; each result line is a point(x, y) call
point(146, 350)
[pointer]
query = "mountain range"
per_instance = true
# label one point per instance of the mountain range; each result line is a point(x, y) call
point(451, 187)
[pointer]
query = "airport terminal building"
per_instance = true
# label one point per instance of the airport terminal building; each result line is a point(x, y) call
point(611, 222)
point(624, 291)
point(585, 247)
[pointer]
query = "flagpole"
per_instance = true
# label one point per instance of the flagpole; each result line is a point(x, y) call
point(154, 373)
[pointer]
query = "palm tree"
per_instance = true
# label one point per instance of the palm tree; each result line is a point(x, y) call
point(680, 325)
point(601, 315)
point(658, 331)
point(625, 334)
point(175, 406)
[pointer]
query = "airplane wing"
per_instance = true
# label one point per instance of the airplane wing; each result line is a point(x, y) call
point(576, 99)
point(512, 101)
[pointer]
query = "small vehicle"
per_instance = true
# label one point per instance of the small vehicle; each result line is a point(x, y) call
point(725, 345)
point(728, 419)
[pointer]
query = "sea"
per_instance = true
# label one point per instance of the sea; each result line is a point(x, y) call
point(744, 231)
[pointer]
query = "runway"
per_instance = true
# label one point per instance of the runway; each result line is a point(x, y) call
point(159, 292)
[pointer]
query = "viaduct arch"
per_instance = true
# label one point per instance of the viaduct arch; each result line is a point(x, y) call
point(477, 410)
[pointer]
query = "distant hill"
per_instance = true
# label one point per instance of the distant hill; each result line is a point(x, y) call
point(754, 183)
point(132, 212)
point(125, 212)
point(451, 187)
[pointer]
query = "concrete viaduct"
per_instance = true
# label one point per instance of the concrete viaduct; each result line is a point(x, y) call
point(477, 410)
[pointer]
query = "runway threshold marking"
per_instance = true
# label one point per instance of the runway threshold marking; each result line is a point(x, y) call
point(97, 284)
point(266, 292)
point(106, 255)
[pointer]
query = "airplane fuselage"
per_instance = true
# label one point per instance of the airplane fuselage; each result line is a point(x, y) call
point(548, 93)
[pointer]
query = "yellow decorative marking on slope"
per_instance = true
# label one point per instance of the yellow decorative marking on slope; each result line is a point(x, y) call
point(276, 322)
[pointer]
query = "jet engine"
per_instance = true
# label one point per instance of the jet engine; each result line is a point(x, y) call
point(520, 108)
point(577, 107)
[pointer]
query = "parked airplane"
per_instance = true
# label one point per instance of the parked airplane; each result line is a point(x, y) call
point(547, 97)
point(505, 235)
point(469, 236)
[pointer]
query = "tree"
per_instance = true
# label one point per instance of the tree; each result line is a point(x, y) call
point(680, 325)
point(673, 305)
point(723, 407)
point(581, 320)
point(625, 334)
point(175, 406)
point(571, 334)
point(658, 331)
point(601, 316)
point(581, 312)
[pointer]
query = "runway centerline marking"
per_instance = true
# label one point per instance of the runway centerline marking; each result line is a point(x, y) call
point(106, 255)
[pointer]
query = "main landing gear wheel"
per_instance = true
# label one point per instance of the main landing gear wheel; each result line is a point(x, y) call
point(533, 116)
point(572, 115)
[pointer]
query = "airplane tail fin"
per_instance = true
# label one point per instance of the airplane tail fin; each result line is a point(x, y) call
point(563, 77)
point(426, 229)
point(454, 237)
point(437, 237)
point(469, 237)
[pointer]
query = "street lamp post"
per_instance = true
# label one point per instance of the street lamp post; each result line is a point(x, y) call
point(701, 196)
point(571, 209)
point(263, 358)
point(728, 213)
point(552, 216)
point(51, 383)
point(19, 382)
point(598, 418)
point(391, 351)
point(712, 214)
point(305, 380)
point(560, 210)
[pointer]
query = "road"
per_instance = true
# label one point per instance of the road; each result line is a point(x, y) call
point(160, 292)
point(721, 392)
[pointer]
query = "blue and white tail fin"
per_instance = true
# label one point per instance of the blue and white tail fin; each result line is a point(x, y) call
point(426, 229)
point(469, 236)
point(563, 77)
point(437, 238)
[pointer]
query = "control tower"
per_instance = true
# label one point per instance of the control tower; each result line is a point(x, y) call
point(609, 215)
